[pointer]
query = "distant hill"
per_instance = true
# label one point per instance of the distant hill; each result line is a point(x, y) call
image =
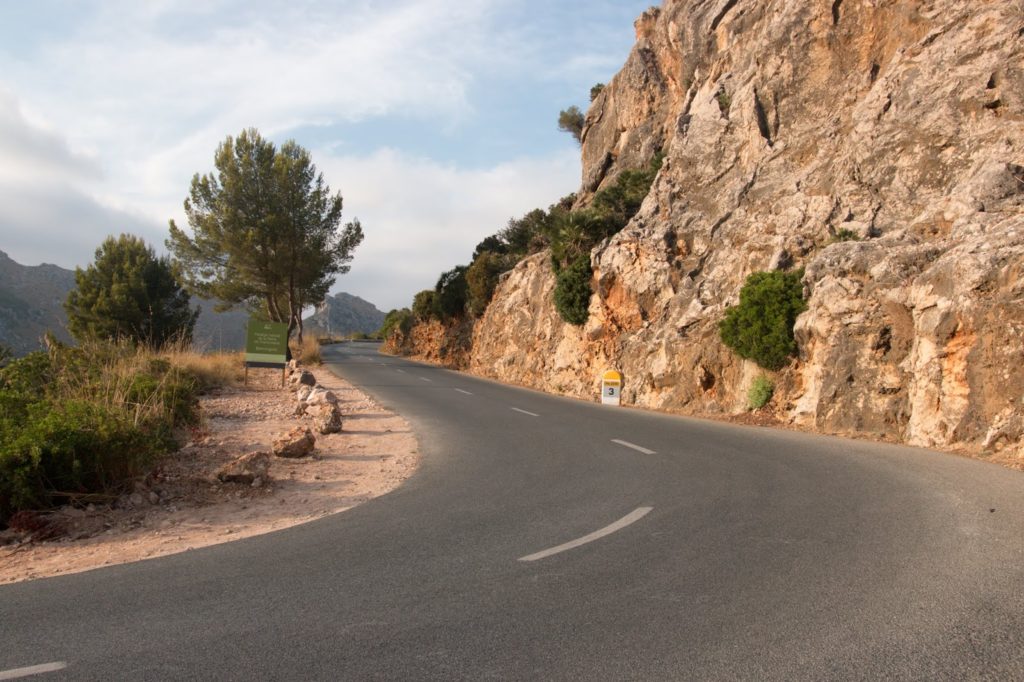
point(31, 300)
point(32, 303)
point(344, 314)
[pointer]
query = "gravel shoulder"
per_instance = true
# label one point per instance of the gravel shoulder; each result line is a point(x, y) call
point(182, 506)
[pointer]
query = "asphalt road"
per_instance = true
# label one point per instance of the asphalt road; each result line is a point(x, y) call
point(764, 555)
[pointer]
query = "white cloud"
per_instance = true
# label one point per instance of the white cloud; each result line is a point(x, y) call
point(47, 213)
point(113, 118)
point(421, 218)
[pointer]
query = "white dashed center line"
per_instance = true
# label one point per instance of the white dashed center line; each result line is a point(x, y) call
point(424, 379)
point(633, 446)
point(461, 391)
point(626, 520)
point(516, 409)
point(400, 370)
point(17, 673)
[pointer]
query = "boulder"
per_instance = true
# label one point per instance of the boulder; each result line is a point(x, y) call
point(327, 419)
point(301, 378)
point(245, 469)
point(303, 392)
point(321, 396)
point(298, 442)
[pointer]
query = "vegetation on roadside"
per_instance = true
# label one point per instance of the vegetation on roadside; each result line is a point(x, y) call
point(760, 392)
point(306, 350)
point(572, 291)
point(760, 327)
point(79, 423)
point(400, 320)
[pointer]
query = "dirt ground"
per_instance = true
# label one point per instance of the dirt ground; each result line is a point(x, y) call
point(181, 506)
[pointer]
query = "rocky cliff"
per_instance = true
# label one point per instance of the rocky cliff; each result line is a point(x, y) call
point(878, 144)
point(344, 314)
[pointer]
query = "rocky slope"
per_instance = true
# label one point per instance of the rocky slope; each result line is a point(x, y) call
point(344, 314)
point(31, 300)
point(785, 124)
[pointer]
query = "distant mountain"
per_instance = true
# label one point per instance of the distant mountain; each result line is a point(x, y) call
point(31, 303)
point(219, 331)
point(344, 314)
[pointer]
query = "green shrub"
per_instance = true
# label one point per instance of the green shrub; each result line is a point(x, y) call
point(76, 447)
point(573, 233)
point(571, 120)
point(423, 305)
point(724, 101)
point(572, 291)
point(760, 392)
point(596, 90)
point(482, 279)
point(86, 420)
point(396, 319)
point(29, 373)
point(451, 293)
point(760, 328)
point(845, 235)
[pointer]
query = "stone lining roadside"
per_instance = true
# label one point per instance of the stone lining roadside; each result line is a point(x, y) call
point(184, 505)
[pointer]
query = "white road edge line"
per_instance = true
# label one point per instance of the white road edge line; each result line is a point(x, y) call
point(626, 443)
point(32, 670)
point(461, 391)
point(516, 409)
point(626, 520)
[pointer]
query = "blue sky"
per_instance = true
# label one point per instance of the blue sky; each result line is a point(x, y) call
point(436, 120)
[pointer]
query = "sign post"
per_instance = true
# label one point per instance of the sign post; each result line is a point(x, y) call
point(611, 388)
point(266, 345)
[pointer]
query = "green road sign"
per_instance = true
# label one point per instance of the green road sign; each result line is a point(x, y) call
point(266, 344)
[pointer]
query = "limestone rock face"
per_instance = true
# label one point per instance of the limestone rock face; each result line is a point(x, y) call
point(878, 145)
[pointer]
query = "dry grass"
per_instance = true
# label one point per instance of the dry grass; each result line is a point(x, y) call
point(212, 369)
point(308, 352)
point(114, 371)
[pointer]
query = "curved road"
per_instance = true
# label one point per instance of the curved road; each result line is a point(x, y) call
point(728, 553)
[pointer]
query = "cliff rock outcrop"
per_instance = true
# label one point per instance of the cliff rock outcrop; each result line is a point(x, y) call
point(877, 144)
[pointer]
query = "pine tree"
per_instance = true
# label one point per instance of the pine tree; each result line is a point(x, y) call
point(129, 293)
point(265, 230)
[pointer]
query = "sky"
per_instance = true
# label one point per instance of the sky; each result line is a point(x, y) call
point(435, 119)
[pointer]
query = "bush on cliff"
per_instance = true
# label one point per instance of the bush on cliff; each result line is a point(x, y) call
point(451, 294)
point(482, 279)
point(760, 328)
point(572, 291)
point(401, 320)
point(760, 392)
point(424, 306)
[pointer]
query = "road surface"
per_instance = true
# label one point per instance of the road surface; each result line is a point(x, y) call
point(548, 538)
